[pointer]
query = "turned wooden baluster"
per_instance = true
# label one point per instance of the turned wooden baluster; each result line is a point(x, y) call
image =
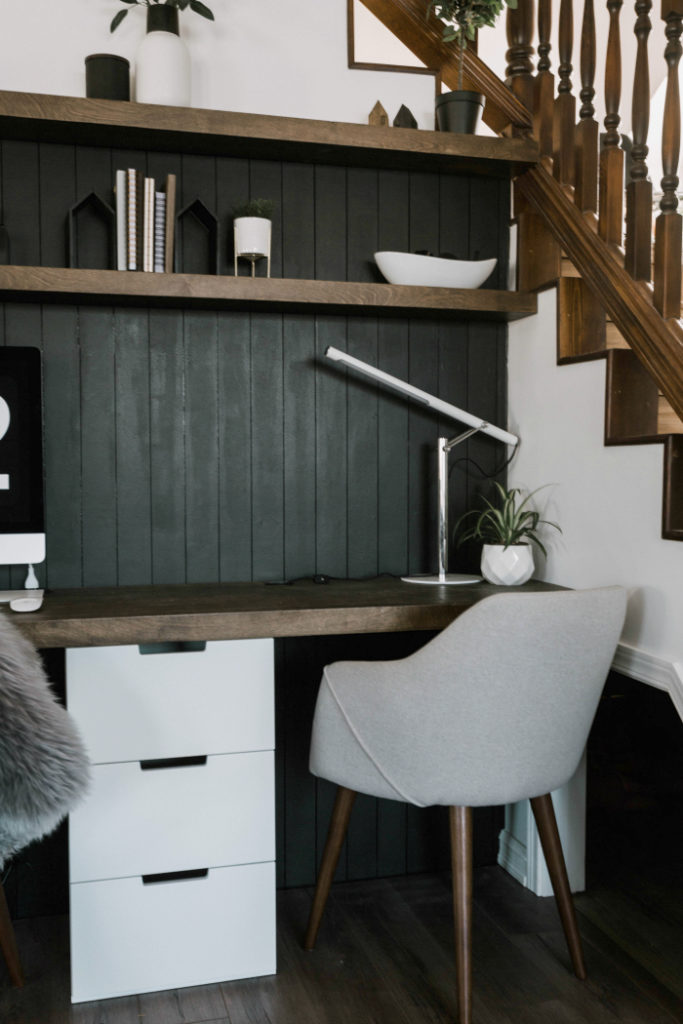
point(520, 29)
point(565, 104)
point(544, 83)
point(667, 276)
point(612, 155)
point(587, 130)
point(639, 190)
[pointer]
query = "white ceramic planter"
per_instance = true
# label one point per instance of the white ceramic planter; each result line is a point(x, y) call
point(508, 567)
point(252, 239)
point(162, 70)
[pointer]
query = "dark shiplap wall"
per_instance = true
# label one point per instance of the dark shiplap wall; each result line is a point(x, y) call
point(206, 446)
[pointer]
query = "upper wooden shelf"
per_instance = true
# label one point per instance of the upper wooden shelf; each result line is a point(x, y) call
point(150, 126)
point(54, 284)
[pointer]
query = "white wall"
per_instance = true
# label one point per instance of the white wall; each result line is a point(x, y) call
point(608, 501)
point(272, 57)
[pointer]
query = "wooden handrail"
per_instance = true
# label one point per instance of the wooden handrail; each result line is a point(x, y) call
point(656, 342)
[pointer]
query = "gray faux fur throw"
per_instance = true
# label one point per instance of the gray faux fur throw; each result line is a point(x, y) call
point(44, 768)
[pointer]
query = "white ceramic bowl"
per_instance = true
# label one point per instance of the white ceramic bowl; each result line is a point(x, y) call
point(433, 271)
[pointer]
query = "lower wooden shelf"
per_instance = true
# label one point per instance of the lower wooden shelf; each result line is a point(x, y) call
point(108, 287)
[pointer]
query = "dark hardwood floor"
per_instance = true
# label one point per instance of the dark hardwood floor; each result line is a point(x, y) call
point(385, 951)
point(385, 957)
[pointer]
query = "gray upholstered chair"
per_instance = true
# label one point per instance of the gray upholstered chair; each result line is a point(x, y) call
point(44, 768)
point(495, 709)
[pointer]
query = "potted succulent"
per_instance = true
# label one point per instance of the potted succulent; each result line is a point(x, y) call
point(505, 527)
point(252, 231)
point(162, 63)
point(459, 110)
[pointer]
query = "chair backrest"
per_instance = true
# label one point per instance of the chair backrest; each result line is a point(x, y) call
point(496, 708)
point(44, 768)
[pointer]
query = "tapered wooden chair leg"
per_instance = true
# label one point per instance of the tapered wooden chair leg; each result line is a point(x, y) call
point(546, 823)
point(8, 942)
point(335, 840)
point(461, 861)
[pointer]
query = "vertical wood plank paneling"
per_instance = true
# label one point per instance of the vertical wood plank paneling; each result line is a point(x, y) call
point(234, 446)
point(298, 221)
point(330, 223)
point(57, 195)
point(133, 447)
point(20, 171)
point(201, 447)
point(98, 446)
point(299, 447)
point(453, 387)
point(392, 354)
point(61, 445)
point(424, 213)
point(454, 216)
point(167, 446)
point(267, 457)
point(201, 400)
point(331, 451)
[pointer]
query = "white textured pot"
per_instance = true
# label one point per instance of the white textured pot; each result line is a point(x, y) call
point(509, 566)
point(162, 62)
point(252, 236)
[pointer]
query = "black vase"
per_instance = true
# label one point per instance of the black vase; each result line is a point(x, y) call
point(107, 77)
point(163, 18)
point(459, 111)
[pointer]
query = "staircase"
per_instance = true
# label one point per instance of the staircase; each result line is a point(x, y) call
point(619, 298)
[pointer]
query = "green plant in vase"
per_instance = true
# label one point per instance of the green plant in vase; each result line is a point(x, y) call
point(180, 5)
point(459, 110)
point(507, 527)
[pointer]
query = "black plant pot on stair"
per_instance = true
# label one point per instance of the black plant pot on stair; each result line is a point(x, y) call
point(459, 111)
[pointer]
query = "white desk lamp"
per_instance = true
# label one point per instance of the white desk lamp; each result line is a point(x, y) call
point(444, 445)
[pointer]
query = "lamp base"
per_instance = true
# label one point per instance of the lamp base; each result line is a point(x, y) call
point(450, 579)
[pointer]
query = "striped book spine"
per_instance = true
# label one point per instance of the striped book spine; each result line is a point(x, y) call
point(132, 218)
point(159, 231)
point(148, 227)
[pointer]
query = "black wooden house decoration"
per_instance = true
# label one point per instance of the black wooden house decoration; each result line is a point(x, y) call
point(92, 234)
point(196, 250)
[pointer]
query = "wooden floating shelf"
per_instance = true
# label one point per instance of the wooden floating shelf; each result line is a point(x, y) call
point(150, 126)
point(120, 287)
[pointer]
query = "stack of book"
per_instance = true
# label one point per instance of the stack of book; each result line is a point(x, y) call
point(145, 222)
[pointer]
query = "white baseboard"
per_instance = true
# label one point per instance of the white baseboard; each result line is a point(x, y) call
point(651, 669)
point(512, 856)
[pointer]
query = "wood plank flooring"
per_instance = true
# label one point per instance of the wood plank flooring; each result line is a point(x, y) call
point(385, 956)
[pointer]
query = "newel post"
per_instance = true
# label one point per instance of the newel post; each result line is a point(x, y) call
point(667, 277)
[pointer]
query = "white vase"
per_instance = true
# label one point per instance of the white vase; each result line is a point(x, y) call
point(252, 239)
point(509, 566)
point(162, 63)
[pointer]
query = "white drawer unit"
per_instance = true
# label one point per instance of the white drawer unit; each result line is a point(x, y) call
point(128, 936)
point(171, 856)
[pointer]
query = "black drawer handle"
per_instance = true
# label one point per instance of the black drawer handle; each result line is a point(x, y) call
point(173, 647)
point(172, 762)
point(175, 876)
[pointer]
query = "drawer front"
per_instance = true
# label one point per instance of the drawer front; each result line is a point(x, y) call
point(138, 822)
point(132, 706)
point(128, 937)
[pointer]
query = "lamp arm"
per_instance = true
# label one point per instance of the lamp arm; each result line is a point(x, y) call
point(404, 388)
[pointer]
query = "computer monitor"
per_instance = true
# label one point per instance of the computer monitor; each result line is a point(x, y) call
point(22, 529)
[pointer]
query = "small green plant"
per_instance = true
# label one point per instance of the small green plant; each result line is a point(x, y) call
point(462, 18)
point(182, 5)
point(255, 208)
point(508, 521)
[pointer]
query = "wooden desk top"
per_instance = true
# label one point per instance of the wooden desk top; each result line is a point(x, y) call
point(100, 616)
